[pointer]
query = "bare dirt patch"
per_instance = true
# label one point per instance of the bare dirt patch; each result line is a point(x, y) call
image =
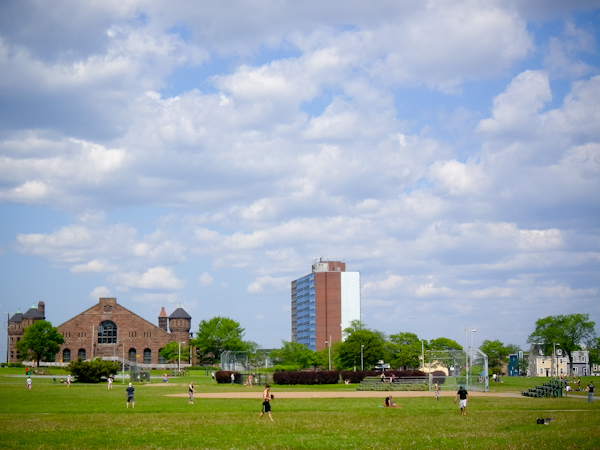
point(340, 394)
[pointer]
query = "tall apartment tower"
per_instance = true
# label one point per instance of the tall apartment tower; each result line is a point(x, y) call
point(324, 303)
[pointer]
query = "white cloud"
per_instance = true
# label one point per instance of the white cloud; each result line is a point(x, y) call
point(515, 112)
point(268, 284)
point(156, 299)
point(154, 278)
point(205, 279)
point(561, 55)
point(99, 292)
point(94, 266)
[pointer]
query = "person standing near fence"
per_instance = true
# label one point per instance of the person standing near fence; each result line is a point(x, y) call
point(437, 391)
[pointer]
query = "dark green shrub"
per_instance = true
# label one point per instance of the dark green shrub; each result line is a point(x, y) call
point(308, 377)
point(224, 376)
point(92, 371)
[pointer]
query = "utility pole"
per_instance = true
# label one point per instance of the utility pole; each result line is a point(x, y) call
point(7, 335)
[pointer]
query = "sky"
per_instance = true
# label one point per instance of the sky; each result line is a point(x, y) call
point(204, 153)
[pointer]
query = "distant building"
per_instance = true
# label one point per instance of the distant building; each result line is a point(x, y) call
point(513, 365)
point(107, 329)
point(541, 365)
point(324, 303)
point(580, 365)
point(17, 324)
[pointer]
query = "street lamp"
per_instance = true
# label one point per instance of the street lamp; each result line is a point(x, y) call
point(362, 366)
point(555, 360)
point(472, 348)
point(7, 335)
point(179, 363)
point(123, 360)
point(329, 342)
point(466, 357)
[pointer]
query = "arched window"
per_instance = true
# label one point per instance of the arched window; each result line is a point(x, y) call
point(107, 332)
point(147, 356)
point(132, 353)
point(66, 355)
point(81, 354)
point(161, 358)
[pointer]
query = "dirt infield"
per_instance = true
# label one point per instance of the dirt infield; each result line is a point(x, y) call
point(341, 394)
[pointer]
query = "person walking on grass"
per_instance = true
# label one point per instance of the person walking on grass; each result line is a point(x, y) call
point(266, 407)
point(28, 384)
point(590, 391)
point(437, 391)
point(191, 391)
point(110, 382)
point(129, 394)
point(464, 398)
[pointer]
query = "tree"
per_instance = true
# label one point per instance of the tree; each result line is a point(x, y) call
point(216, 336)
point(40, 341)
point(594, 351)
point(446, 346)
point(350, 350)
point(404, 350)
point(171, 352)
point(294, 354)
point(92, 371)
point(567, 332)
point(358, 325)
point(443, 343)
point(355, 325)
point(495, 351)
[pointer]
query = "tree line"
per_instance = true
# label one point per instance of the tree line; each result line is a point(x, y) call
point(402, 350)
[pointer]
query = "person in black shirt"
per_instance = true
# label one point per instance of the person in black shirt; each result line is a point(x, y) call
point(129, 394)
point(464, 398)
point(590, 391)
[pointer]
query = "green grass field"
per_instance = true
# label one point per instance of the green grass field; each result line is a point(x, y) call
point(52, 416)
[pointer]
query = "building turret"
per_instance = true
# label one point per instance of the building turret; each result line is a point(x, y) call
point(180, 324)
point(162, 319)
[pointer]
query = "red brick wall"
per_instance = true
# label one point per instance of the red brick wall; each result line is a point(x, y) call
point(81, 332)
point(328, 308)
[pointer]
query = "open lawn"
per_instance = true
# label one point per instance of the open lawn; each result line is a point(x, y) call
point(52, 416)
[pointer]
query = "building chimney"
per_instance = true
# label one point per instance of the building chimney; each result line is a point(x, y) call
point(42, 308)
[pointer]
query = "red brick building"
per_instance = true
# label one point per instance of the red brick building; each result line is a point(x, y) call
point(108, 329)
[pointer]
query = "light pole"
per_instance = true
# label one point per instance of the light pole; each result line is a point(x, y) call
point(466, 357)
point(123, 361)
point(329, 342)
point(362, 366)
point(179, 363)
point(472, 348)
point(555, 361)
point(7, 335)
